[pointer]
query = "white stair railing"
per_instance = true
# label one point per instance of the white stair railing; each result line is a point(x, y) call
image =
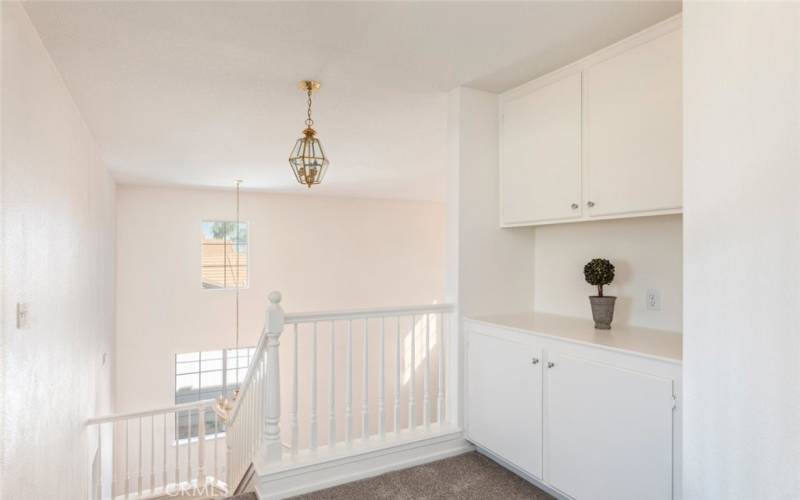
point(396, 344)
point(159, 452)
point(179, 448)
point(255, 416)
point(416, 335)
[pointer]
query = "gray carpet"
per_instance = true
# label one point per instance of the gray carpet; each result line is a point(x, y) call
point(470, 476)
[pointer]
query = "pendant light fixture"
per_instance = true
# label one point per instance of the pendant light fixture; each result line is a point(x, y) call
point(225, 404)
point(307, 159)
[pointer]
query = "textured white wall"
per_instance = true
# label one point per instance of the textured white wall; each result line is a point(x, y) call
point(489, 270)
point(741, 248)
point(647, 254)
point(58, 244)
point(321, 253)
point(495, 266)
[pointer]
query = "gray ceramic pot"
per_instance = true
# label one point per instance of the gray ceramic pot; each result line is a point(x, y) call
point(602, 311)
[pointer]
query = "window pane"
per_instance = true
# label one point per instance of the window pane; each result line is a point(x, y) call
point(214, 231)
point(213, 277)
point(211, 394)
point(224, 255)
point(214, 255)
point(211, 355)
point(210, 380)
point(235, 275)
point(232, 252)
point(190, 367)
point(232, 378)
point(187, 383)
point(187, 356)
point(231, 387)
point(242, 352)
point(212, 364)
point(237, 237)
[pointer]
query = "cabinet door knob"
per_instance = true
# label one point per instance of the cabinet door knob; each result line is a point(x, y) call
point(534, 361)
point(574, 206)
point(590, 204)
point(550, 364)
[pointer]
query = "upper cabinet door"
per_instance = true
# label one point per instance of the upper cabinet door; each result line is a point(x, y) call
point(633, 130)
point(540, 162)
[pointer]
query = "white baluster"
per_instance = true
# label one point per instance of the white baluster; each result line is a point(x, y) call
point(176, 436)
point(293, 416)
point(348, 395)
point(216, 453)
point(262, 380)
point(201, 446)
point(440, 363)
point(332, 396)
point(249, 426)
point(152, 453)
point(127, 470)
point(113, 460)
point(139, 480)
point(314, 426)
point(189, 451)
point(426, 401)
point(164, 455)
point(99, 478)
point(365, 385)
point(271, 447)
point(397, 378)
point(412, 388)
point(229, 460)
point(381, 381)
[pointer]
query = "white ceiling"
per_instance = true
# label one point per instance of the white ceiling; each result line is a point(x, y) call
point(201, 93)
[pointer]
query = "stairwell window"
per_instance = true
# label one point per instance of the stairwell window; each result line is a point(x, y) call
point(207, 375)
point(224, 262)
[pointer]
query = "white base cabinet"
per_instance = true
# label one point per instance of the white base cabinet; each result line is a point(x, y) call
point(588, 423)
point(507, 374)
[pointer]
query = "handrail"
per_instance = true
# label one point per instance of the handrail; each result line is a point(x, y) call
point(248, 376)
point(195, 405)
point(367, 313)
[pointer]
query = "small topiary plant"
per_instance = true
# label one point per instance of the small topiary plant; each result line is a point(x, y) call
point(599, 272)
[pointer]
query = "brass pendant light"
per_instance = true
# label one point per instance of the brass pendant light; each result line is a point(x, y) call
point(307, 159)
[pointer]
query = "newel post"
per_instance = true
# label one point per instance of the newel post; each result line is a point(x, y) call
point(273, 327)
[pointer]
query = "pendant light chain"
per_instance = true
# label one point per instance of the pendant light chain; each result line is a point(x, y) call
point(309, 121)
point(238, 277)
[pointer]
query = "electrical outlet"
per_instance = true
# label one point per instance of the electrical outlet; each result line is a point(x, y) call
point(22, 315)
point(653, 300)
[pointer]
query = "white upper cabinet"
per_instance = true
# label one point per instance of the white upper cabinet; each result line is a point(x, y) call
point(541, 157)
point(632, 123)
point(600, 138)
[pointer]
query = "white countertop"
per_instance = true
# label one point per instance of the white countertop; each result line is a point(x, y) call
point(653, 343)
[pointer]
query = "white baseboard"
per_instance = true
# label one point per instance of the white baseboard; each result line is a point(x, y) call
point(326, 468)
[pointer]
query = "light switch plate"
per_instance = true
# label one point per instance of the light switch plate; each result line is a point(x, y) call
point(653, 300)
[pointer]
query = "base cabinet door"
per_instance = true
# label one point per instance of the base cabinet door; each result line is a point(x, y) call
point(608, 434)
point(505, 400)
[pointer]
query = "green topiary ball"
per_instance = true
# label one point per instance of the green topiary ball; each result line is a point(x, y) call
point(599, 272)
